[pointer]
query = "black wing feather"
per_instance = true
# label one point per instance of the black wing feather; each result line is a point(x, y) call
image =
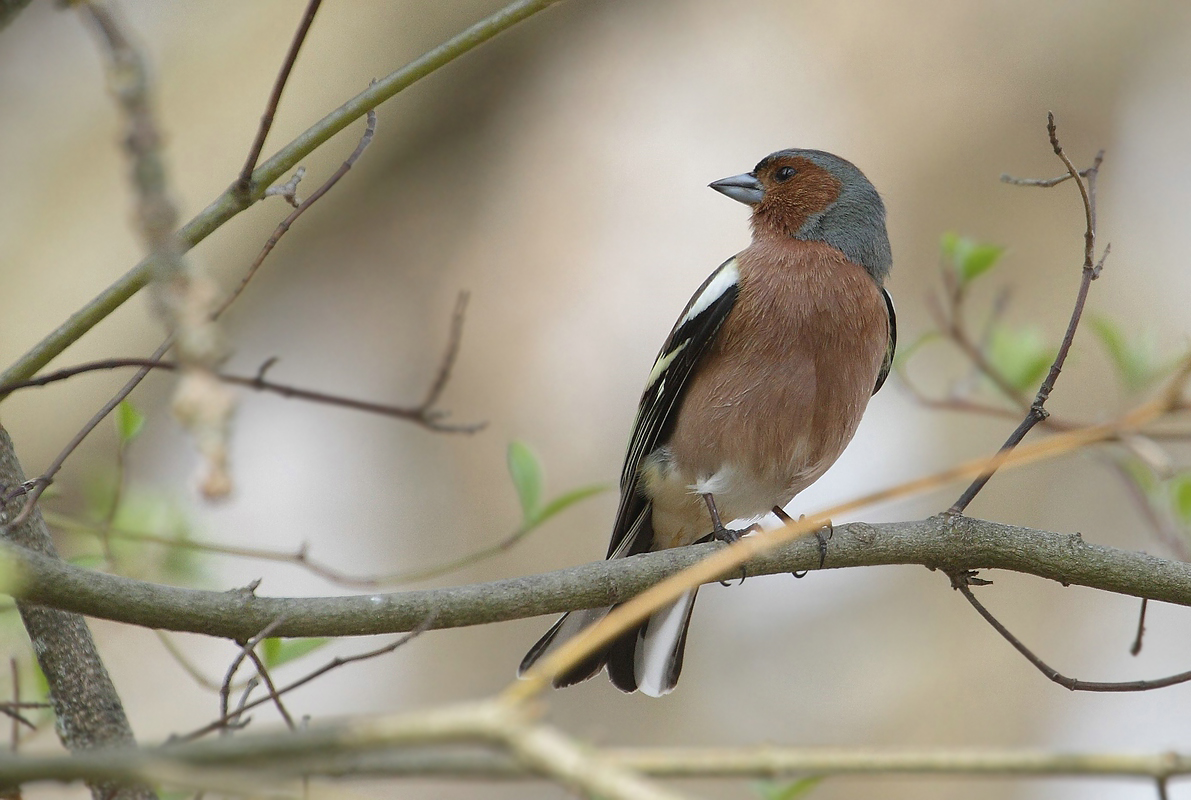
point(891, 348)
point(684, 347)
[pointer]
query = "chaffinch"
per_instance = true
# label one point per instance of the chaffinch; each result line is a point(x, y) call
point(756, 392)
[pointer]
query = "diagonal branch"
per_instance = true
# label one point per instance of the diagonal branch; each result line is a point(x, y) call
point(231, 202)
point(258, 144)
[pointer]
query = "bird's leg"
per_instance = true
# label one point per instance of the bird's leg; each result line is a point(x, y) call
point(820, 536)
point(720, 532)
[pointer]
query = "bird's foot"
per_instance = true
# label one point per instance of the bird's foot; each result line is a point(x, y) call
point(724, 534)
point(822, 535)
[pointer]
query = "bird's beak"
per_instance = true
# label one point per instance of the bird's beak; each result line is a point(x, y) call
point(743, 188)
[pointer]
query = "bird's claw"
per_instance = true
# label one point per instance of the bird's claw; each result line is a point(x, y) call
point(822, 536)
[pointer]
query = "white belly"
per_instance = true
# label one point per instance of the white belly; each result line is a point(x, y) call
point(680, 514)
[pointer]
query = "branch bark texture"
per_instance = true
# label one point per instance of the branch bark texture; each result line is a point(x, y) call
point(87, 710)
point(942, 542)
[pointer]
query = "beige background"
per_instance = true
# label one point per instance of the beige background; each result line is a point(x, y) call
point(559, 174)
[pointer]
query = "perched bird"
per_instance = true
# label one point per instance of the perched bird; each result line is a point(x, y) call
point(756, 392)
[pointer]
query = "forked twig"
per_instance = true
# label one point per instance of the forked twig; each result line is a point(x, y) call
point(962, 583)
point(244, 184)
point(245, 648)
point(333, 664)
point(284, 225)
point(424, 414)
point(1086, 181)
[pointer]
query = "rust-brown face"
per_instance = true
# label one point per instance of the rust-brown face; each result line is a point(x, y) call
point(794, 189)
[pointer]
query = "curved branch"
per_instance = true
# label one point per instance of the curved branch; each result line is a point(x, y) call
point(948, 543)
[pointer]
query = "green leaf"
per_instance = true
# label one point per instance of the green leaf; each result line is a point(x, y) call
point(276, 651)
point(787, 791)
point(1136, 360)
point(970, 259)
point(1180, 496)
point(129, 421)
point(565, 501)
point(526, 472)
point(1021, 355)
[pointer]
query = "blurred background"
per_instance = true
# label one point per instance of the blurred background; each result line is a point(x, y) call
point(559, 174)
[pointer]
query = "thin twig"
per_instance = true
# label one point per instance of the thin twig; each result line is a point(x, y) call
point(263, 672)
point(447, 363)
point(1135, 649)
point(245, 647)
point(333, 664)
point(39, 484)
point(244, 185)
point(1044, 183)
point(425, 416)
point(285, 224)
point(13, 711)
point(962, 581)
point(1037, 411)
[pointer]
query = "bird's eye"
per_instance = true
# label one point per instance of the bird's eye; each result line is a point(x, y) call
point(784, 174)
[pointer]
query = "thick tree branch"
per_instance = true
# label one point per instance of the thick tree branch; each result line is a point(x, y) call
point(87, 709)
point(947, 543)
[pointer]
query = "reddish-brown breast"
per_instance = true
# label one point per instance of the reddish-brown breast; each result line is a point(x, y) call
point(782, 390)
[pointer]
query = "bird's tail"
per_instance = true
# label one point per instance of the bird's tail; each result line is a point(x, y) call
point(649, 658)
point(646, 658)
point(567, 627)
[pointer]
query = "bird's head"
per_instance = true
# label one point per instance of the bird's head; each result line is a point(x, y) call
point(816, 196)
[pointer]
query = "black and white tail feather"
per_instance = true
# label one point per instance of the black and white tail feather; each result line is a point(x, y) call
point(649, 657)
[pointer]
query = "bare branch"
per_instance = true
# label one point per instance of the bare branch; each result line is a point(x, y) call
point(427, 417)
point(963, 581)
point(274, 695)
point(254, 153)
point(43, 481)
point(301, 209)
point(1037, 411)
point(331, 665)
point(245, 648)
